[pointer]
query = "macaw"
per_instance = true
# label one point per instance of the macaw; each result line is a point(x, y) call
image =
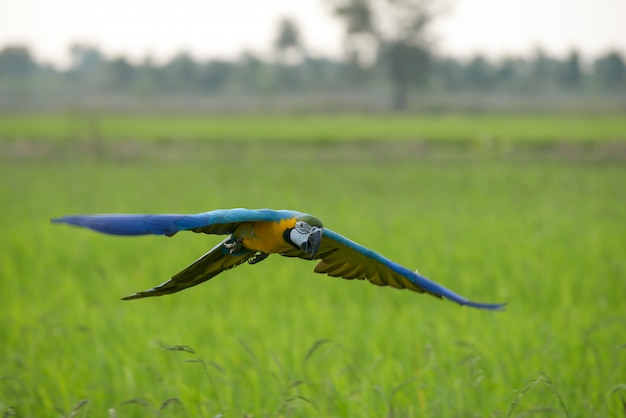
point(255, 234)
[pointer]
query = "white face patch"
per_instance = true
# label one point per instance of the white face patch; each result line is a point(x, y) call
point(300, 233)
point(303, 227)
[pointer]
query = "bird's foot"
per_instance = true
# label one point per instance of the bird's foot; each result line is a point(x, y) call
point(258, 257)
point(234, 246)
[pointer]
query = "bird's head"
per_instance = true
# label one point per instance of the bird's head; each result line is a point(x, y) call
point(306, 235)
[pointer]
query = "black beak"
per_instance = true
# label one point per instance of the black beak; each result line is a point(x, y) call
point(314, 241)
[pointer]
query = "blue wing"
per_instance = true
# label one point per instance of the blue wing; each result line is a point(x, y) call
point(220, 222)
point(341, 257)
point(206, 267)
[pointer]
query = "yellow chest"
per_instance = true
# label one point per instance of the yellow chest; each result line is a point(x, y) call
point(266, 237)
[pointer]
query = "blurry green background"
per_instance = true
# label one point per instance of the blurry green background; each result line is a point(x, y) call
point(500, 178)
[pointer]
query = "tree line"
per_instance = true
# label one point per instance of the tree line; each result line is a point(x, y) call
point(392, 56)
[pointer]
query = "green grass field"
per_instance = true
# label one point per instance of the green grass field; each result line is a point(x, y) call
point(547, 236)
point(72, 126)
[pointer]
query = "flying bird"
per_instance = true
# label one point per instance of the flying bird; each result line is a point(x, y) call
point(255, 234)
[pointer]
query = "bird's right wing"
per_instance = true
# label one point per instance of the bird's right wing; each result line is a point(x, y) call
point(341, 257)
point(206, 267)
point(220, 222)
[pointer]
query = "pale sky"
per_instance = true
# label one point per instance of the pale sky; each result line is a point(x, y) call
point(212, 28)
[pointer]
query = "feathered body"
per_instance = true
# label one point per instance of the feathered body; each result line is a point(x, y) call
point(265, 237)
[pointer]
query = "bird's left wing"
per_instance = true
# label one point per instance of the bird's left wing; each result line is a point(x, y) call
point(206, 267)
point(222, 221)
point(220, 258)
point(341, 257)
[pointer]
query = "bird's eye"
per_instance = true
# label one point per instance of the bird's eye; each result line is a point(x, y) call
point(303, 227)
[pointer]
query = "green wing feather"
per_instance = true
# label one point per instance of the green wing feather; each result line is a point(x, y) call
point(206, 267)
point(341, 257)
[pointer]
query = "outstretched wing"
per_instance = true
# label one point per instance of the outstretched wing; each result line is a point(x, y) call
point(206, 267)
point(221, 222)
point(215, 222)
point(341, 257)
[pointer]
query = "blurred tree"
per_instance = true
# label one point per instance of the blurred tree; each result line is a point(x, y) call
point(85, 58)
point(398, 55)
point(215, 75)
point(87, 73)
point(447, 74)
point(16, 61)
point(361, 39)
point(406, 63)
point(18, 70)
point(357, 16)
point(508, 70)
point(252, 74)
point(180, 74)
point(571, 73)
point(399, 31)
point(120, 73)
point(360, 42)
point(288, 44)
point(544, 72)
point(147, 76)
point(321, 74)
point(611, 71)
point(479, 73)
point(290, 54)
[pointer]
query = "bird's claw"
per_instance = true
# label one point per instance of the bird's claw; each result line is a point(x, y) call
point(234, 246)
point(258, 257)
